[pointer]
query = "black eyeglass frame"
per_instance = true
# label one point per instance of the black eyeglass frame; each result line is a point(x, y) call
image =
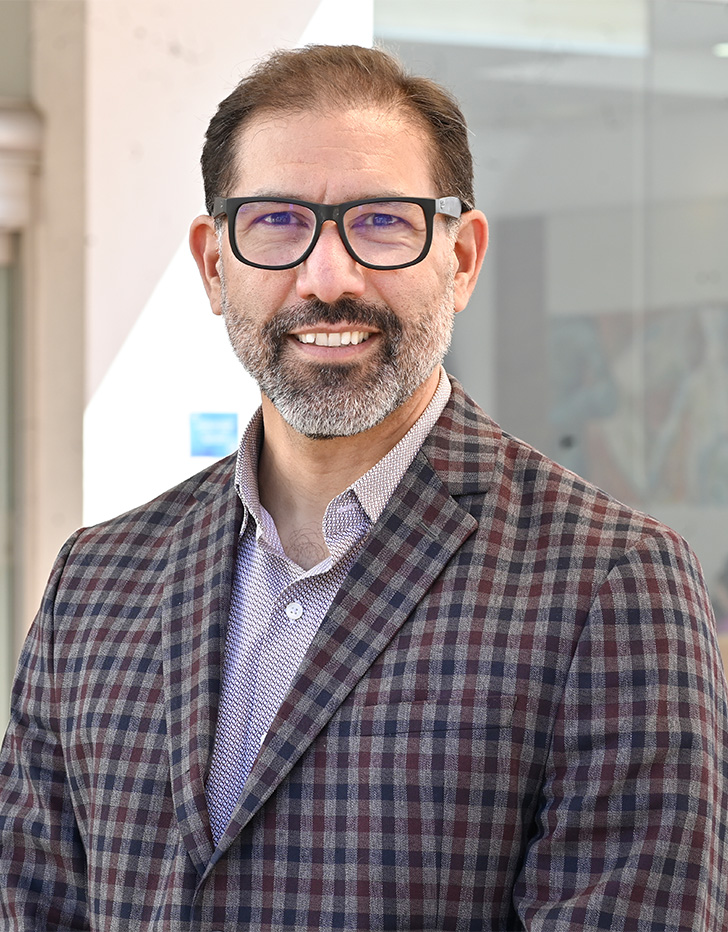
point(449, 206)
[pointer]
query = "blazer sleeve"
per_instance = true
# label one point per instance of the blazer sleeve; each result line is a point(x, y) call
point(42, 856)
point(632, 828)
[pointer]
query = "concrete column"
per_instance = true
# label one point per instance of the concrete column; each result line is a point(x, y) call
point(20, 143)
point(51, 324)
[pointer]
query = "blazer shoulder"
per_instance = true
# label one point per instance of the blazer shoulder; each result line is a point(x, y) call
point(547, 493)
point(525, 493)
point(155, 518)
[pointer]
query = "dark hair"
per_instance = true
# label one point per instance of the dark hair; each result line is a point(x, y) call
point(320, 77)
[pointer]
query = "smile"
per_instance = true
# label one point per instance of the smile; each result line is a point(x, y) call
point(347, 338)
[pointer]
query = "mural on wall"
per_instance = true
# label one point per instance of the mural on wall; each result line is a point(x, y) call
point(640, 407)
point(586, 356)
point(719, 594)
point(686, 405)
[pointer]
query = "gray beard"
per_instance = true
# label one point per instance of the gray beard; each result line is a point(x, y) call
point(340, 400)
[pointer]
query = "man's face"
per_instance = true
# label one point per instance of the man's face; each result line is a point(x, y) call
point(334, 346)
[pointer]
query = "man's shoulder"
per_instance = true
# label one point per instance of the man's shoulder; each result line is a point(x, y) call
point(522, 486)
point(158, 516)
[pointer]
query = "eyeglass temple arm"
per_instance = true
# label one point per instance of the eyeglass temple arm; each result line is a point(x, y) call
point(450, 206)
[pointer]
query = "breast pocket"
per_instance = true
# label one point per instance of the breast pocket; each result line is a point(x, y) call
point(470, 711)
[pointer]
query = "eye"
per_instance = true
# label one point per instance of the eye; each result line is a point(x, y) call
point(384, 220)
point(269, 216)
point(379, 220)
point(281, 218)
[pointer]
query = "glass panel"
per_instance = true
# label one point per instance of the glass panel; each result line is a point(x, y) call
point(599, 329)
point(15, 50)
point(685, 330)
point(6, 485)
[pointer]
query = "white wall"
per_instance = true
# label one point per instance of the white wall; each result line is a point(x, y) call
point(154, 353)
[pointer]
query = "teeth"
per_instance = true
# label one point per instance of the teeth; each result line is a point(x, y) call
point(348, 337)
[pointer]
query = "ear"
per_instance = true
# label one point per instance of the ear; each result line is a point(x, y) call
point(469, 248)
point(204, 248)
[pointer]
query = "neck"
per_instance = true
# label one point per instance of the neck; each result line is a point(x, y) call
point(299, 476)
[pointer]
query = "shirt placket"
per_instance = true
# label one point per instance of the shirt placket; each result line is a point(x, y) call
point(288, 635)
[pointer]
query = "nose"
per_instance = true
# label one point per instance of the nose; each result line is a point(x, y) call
point(330, 273)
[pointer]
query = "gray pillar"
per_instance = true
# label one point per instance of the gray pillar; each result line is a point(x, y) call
point(522, 375)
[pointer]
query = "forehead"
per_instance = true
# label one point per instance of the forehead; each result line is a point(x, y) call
point(334, 155)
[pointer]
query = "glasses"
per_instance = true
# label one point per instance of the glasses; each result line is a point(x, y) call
point(378, 233)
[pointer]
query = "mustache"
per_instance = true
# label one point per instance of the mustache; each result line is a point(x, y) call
point(349, 310)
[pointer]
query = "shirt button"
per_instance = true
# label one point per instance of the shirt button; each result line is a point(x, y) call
point(294, 610)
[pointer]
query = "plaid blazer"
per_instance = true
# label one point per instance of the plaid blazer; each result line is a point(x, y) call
point(513, 717)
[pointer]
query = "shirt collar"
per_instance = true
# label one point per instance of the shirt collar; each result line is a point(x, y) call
point(373, 489)
point(246, 466)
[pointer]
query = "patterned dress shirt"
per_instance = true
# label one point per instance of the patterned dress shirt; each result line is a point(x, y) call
point(276, 606)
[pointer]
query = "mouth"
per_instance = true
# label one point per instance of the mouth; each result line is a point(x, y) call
point(328, 338)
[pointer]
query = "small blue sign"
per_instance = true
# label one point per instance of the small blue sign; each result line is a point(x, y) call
point(213, 434)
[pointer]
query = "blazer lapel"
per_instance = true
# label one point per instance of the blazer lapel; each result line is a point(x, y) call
point(407, 549)
point(194, 614)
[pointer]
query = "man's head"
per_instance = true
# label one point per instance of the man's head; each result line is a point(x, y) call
point(341, 332)
point(332, 78)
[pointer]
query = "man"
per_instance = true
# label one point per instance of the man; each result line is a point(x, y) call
point(388, 668)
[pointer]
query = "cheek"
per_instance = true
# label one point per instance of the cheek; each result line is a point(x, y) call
point(422, 288)
point(259, 292)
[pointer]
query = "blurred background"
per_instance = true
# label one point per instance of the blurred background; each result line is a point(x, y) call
point(598, 331)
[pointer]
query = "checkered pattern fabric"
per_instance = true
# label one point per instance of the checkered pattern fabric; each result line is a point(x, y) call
point(512, 717)
point(277, 607)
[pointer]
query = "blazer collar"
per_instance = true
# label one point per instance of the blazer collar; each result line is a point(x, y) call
point(464, 446)
point(198, 583)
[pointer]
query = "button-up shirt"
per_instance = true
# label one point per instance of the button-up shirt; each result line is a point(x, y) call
point(276, 606)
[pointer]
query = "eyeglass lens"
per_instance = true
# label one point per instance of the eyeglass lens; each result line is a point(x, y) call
point(386, 233)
